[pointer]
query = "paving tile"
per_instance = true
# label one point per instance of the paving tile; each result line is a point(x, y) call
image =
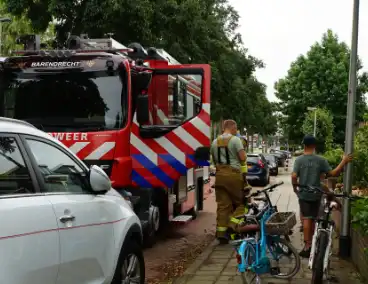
point(216, 260)
point(212, 267)
point(182, 280)
point(207, 272)
point(204, 278)
point(270, 280)
point(222, 254)
point(229, 278)
point(199, 282)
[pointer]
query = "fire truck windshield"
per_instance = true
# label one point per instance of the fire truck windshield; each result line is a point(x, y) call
point(66, 102)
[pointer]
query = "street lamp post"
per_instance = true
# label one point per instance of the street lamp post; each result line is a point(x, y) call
point(345, 238)
point(315, 119)
point(2, 20)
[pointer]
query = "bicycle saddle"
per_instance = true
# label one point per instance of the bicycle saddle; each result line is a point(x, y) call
point(247, 228)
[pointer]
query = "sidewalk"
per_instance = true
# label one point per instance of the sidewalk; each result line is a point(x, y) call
point(217, 265)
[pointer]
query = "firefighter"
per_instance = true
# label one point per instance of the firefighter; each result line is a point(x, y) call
point(231, 187)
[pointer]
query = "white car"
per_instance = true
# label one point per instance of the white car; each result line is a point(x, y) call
point(61, 222)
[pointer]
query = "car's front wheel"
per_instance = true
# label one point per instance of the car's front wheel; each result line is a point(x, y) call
point(130, 268)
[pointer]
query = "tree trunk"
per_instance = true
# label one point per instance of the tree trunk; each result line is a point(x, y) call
point(251, 143)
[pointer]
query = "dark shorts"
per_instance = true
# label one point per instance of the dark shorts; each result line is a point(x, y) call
point(309, 209)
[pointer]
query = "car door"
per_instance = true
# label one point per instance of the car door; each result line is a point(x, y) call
point(29, 241)
point(85, 220)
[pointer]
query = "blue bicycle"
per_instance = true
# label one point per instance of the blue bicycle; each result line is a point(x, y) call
point(263, 244)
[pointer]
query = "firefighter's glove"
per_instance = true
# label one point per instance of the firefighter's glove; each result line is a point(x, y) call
point(244, 169)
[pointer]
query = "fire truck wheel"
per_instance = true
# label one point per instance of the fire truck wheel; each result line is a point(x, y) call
point(150, 234)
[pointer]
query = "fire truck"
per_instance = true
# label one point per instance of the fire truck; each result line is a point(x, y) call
point(140, 115)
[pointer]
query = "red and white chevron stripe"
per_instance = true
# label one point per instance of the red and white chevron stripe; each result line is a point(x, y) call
point(183, 140)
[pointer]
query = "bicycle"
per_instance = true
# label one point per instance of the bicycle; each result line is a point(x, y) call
point(256, 240)
point(319, 260)
point(254, 209)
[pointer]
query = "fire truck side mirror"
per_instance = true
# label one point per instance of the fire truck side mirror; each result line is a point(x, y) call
point(142, 109)
point(202, 154)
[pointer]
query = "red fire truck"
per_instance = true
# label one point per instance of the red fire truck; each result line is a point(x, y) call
point(138, 114)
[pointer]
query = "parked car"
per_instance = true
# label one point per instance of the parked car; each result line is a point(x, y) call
point(287, 153)
point(258, 170)
point(280, 158)
point(272, 164)
point(60, 221)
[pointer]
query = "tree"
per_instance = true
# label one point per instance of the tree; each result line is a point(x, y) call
point(18, 26)
point(324, 128)
point(320, 79)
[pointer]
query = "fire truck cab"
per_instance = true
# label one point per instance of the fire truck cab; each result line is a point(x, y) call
point(140, 115)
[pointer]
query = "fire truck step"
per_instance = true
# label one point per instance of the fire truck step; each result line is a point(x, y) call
point(182, 219)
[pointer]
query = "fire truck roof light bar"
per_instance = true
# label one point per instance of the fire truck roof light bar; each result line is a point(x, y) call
point(72, 51)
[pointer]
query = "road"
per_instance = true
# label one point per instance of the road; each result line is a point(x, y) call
point(181, 245)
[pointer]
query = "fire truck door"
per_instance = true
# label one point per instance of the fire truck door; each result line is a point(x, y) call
point(179, 104)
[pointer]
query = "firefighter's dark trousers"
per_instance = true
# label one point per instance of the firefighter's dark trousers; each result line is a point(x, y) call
point(229, 195)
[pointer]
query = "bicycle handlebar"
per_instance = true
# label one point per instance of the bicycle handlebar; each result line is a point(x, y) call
point(343, 195)
point(268, 188)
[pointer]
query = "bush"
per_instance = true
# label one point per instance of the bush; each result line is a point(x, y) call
point(360, 179)
point(360, 215)
point(334, 157)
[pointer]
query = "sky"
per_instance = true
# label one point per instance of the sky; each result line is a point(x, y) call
point(278, 31)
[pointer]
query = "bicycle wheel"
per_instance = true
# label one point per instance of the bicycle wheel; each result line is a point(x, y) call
point(282, 247)
point(249, 277)
point(317, 268)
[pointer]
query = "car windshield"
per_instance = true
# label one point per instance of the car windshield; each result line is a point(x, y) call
point(253, 159)
point(270, 158)
point(66, 102)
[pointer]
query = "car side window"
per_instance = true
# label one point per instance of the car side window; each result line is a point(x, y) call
point(263, 159)
point(60, 172)
point(14, 174)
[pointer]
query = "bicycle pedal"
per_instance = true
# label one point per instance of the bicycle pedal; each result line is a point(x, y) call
point(275, 271)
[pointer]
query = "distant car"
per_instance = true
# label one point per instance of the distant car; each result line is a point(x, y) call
point(258, 170)
point(272, 164)
point(61, 222)
point(280, 159)
point(287, 153)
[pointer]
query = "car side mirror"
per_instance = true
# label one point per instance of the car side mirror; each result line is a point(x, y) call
point(99, 180)
point(142, 109)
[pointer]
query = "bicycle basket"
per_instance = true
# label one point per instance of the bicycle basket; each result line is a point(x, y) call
point(280, 223)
